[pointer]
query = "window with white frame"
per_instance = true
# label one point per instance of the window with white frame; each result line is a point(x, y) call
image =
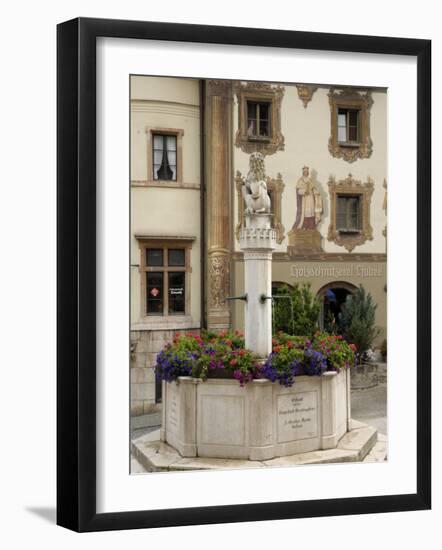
point(164, 157)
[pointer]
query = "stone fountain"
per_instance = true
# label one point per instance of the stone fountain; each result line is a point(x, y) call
point(262, 420)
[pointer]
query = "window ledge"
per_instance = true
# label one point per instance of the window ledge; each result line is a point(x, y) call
point(164, 184)
point(170, 322)
point(150, 237)
point(348, 144)
point(259, 139)
point(349, 231)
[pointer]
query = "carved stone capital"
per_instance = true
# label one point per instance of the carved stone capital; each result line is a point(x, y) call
point(257, 238)
point(221, 88)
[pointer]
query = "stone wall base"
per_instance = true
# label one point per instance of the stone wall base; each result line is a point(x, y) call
point(145, 345)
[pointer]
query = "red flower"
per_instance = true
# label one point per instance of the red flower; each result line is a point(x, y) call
point(290, 344)
point(277, 349)
point(242, 352)
point(233, 362)
point(353, 347)
point(229, 342)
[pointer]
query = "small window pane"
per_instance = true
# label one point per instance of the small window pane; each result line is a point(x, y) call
point(158, 142)
point(342, 134)
point(264, 128)
point(353, 208)
point(251, 109)
point(342, 119)
point(171, 158)
point(341, 213)
point(252, 127)
point(154, 256)
point(264, 111)
point(353, 133)
point(177, 294)
point(171, 143)
point(157, 157)
point(353, 117)
point(154, 302)
point(176, 257)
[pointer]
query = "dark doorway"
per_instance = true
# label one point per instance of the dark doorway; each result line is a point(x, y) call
point(333, 297)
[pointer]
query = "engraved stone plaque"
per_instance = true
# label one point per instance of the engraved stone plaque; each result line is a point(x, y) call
point(297, 416)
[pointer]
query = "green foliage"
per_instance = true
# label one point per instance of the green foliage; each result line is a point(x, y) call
point(357, 320)
point(302, 319)
point(330, 325)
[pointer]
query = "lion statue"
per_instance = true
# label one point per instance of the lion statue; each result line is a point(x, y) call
point(254, 189)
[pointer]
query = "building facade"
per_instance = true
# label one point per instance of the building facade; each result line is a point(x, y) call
point(325, 151)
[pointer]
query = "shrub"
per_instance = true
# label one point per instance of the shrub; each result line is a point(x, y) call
point(296, 311)
point(357, 320)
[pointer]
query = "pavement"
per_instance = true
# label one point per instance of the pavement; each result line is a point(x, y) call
point(370, 406)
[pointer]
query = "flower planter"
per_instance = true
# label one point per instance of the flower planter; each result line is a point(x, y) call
point(220, 419)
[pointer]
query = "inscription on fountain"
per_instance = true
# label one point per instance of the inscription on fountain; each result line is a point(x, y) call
point(172, 419)
point(297, 416)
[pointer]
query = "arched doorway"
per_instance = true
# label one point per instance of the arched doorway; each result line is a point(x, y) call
point(332, 297)
point(276, 285)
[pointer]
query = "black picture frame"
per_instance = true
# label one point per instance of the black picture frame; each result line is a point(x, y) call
point(76, 274)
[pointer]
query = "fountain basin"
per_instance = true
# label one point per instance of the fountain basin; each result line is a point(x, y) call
point(218, 418)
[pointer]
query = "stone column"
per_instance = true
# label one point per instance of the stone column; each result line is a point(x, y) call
point(218, 176)
point(257, 241)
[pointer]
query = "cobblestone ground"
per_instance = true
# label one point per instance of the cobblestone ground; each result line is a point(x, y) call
point(370, 406)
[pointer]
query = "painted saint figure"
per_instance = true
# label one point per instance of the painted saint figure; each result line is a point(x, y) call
point(308, 202)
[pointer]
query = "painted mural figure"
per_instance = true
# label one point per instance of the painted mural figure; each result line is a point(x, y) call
point(308, 202)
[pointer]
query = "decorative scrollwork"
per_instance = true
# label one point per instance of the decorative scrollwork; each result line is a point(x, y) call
point(259, 91)
point(350, 186)
point(305, 93)
point(351, 99)
point(219, 271)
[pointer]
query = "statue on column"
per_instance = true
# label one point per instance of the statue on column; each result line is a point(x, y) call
point(304, 238)
point(254, 189)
